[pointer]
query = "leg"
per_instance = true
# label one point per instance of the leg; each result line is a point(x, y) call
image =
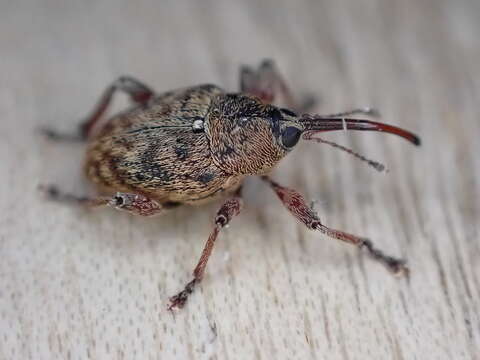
point(266, 83)
point(132, 203)
point(228, 210)
point(297, 205)
point(138, 92)
point(363, 111)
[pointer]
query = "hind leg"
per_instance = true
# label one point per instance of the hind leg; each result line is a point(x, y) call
point(138, 92)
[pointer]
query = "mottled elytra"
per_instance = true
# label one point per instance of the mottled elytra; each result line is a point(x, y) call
point(197, 144)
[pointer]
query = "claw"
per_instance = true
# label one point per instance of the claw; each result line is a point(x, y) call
point(50, 191)
point(54, 135)
point(399, 268)
point(179, 300)
point(396, 266)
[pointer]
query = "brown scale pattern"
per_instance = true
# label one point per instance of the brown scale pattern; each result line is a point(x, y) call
point(153, 151)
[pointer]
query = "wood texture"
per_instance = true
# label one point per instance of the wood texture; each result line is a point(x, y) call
point(80, 285)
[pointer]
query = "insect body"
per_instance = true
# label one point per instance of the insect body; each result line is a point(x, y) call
point(197, 144)
point(160, 151)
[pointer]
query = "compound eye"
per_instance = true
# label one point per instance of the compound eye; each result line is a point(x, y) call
point(290, 136)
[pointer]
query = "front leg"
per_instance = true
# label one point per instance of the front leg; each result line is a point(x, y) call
point(297, 205)
point(229, 209)
point(132, 203)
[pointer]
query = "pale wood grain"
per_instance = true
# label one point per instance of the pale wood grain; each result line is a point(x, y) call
point(77, 285)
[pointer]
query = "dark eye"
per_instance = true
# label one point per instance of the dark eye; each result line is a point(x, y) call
point(290, 136)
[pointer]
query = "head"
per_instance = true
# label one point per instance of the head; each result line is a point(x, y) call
point(249, 137)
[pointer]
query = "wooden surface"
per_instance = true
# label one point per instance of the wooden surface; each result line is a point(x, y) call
point(79, 285)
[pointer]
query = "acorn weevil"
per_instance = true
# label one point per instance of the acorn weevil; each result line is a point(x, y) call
point(197, 144)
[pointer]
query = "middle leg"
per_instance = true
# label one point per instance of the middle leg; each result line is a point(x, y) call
point(267, 83)
point(297, 205)
point(138, 92)
point(132, 203)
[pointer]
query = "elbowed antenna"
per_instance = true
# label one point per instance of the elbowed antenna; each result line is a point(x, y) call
point(316, 124)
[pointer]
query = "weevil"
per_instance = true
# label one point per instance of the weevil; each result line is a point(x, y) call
point(198, 144)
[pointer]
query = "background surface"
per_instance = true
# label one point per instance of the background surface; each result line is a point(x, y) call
point(80, 285)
